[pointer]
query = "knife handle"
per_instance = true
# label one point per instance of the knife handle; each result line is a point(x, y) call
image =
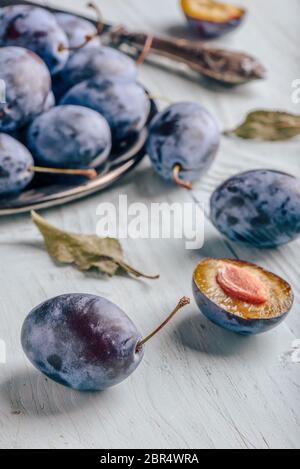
point(223, 66)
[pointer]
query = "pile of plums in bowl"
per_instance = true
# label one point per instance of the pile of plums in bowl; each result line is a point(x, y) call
point(76, 99)
point(66, 105)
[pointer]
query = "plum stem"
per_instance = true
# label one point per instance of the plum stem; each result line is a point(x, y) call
point(88, 38)
point(88, 173)
point(183, 302)
point(100, 20)
point(176, 177)
point(145, 51)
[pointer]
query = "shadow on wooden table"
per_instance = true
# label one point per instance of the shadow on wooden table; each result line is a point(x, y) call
point(29, 393)
point(197, 333)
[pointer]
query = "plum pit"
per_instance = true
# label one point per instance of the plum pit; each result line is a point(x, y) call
point(240, 284)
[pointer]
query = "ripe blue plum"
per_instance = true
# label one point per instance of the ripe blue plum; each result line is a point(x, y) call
point(260, 207)
point(15, 163)
point(125, 105)
point(36, 29)
point(102, 62)
point(183, 142)
point(70, 137)
point(78, 30)
point(28, 84)
point(84, 342)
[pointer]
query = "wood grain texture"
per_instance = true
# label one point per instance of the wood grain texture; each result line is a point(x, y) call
point(199, 386)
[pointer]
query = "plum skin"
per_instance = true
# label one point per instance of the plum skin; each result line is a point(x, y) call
point(36, 29)
point(25, 98)
point(233, 323)
point(15, 161)
point(211, 29)
point(70, 137)
point(124, 105)
point(184, 134)
point(93, 62)
point(82, 341)
point(258, 207)
point(77, 29)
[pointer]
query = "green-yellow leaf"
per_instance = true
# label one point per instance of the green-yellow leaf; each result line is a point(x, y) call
point(268, 125)
point(85, 251)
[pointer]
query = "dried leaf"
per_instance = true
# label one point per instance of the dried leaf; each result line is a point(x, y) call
point(85, 251)
point(268, 125)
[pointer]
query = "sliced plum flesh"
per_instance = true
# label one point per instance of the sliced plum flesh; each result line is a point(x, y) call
point(242, 289)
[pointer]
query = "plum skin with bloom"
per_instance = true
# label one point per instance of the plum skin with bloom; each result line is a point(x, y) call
point(70, 137)
point(184, 134)
point(36, 29)
point(25, 98)
point(15, 161)
point(124, 105)
point(87, 63)
point(82, 341)
point(77, 30)
point(259, 207)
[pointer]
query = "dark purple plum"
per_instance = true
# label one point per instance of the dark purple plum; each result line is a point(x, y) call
point(84, 342)
point(78, 30)
point(259, 207)
point(183, 142)
point(15, 163)
point(103, 62)
point(70, 137)
point(125, 105)
point(241, 297)
point(28, 84)
point(36, 29)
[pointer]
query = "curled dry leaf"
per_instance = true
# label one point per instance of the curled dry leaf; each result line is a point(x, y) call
point(85, 251)
point(268, 125)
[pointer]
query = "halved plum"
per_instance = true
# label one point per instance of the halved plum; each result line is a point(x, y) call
point(212, 19)
point(241, 297)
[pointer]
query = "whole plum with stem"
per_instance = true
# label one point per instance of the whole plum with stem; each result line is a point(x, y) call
point(27, 87)
point(17, 167)
point(183, 142)
point(259, 207)
point(70, 137)
point(36, 29)
point(125, 105)
point(84, 342)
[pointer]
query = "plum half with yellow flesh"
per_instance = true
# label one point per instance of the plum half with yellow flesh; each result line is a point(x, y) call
point(212, 19)
point(241, 297)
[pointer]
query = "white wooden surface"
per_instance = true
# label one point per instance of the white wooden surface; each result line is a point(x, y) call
point(199, 386)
